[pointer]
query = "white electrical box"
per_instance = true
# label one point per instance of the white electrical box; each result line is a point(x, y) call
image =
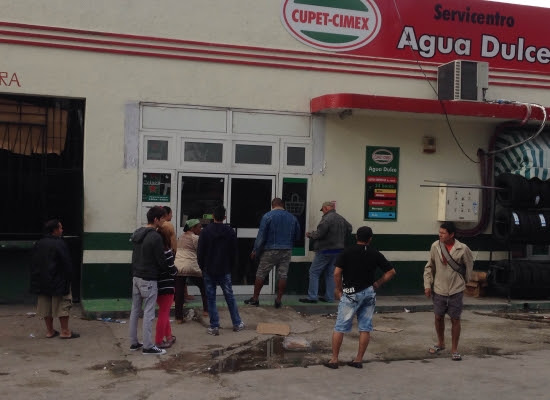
point(458, 204)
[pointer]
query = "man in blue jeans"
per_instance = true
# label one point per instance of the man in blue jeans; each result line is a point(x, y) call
point(148, 261)
point(330, 237)
point(355, 287)
point(216, 255)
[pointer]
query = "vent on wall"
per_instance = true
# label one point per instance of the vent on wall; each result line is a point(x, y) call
point(463, 80)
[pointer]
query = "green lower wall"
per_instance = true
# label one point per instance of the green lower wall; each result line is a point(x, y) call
point(100, 281)
point(103, 281)
point(114, 280)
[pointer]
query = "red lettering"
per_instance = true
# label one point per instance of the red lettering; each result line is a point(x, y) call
point(318, 19)
point(365, 23)
point(348, 21)
point(2, 76)
point(14, 79)
point(295, 15)
point(311, 16)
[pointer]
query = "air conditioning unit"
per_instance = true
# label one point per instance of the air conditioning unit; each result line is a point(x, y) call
point(463, 80)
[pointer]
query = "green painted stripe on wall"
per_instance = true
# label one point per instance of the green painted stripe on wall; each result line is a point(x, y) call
point(113, 281)
point(383, 242)
point(107, 241)
point(106, 281)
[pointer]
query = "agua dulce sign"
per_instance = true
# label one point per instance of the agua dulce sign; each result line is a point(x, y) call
point(508, 36)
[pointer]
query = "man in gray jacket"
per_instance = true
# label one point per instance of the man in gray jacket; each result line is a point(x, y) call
point(330, 237)
point(148, 261)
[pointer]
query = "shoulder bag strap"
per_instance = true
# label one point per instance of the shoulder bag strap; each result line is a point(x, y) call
point(461, 269)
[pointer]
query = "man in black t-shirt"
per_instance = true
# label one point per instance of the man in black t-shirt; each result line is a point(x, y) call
point(356, 291)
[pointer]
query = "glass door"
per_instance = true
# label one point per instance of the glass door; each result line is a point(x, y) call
point(199, 194)
point(249, 199)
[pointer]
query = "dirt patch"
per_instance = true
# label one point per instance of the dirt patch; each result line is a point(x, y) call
point(267, 354)
point(183, 361)
point(116, 368)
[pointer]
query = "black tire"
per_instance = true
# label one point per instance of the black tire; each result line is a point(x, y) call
point(544, 189)
point(517, 193)
point(511, 225)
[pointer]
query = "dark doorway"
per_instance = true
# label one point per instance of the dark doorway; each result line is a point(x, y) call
point(41, 158)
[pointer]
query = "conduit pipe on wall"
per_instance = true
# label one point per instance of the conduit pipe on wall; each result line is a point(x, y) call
point(486, 164)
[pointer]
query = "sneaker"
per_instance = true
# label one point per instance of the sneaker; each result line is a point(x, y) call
point(153, 350)
point(136, 346)
point(239, 327)
point(213, 331)
point(252, 302)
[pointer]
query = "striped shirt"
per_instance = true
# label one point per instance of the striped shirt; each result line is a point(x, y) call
point(166, 279)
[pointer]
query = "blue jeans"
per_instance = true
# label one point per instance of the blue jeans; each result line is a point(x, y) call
point(143, 293)
point(361, 304)
point(210, 282)
point(322, 264)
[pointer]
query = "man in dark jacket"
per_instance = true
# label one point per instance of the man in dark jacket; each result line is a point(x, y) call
point(329, 241)
point(148, 261)
point(51, 274)
point(216, 254)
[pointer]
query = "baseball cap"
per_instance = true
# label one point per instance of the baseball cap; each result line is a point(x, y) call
point(364, 233)
point(192, 222)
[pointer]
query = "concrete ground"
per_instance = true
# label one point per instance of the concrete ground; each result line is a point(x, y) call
point(506, 354)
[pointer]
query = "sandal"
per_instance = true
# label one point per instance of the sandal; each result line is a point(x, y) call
point(435, 349)
point(355, 364)
point(331, 365)
point(456, 357)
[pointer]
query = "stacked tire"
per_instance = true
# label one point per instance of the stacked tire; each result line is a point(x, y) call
point(522, 212)
point(525, 278)
point(522, 216)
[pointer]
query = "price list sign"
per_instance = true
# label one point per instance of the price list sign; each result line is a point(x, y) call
point(381, 179)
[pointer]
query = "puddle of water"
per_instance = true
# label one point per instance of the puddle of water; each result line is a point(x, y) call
point(265, 355)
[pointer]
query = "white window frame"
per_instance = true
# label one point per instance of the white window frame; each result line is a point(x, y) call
point(265, 169)
point(157, 163)
point(296, 169)
point(204, 166)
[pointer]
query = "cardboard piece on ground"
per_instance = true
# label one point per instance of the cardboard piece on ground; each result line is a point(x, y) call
point(273, 329)
point(386, 329)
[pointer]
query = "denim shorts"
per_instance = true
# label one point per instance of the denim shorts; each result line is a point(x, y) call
point(361, 304)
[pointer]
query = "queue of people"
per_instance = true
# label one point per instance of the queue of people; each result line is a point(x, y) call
point(162, 266)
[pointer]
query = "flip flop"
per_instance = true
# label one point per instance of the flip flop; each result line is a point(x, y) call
point(435, 349)
point(331, 365)
point(74, 335)
point(456, 357)
point(355, 364)
point(55, 333)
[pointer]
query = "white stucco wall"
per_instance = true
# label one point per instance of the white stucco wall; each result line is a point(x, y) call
point(344, 177)
point(108, 82)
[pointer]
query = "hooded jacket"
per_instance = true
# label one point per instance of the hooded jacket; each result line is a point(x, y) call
point(148, 259)
point(217, 249)
point(51, 267)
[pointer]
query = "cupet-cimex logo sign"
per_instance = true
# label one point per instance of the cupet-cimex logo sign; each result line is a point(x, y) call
point(333, 25)
point(382, 156)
